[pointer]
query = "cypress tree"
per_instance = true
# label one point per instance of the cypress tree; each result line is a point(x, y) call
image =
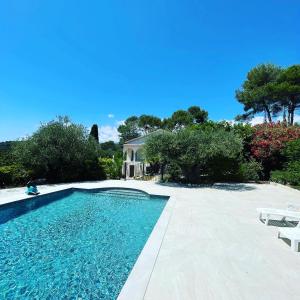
point(94, 132)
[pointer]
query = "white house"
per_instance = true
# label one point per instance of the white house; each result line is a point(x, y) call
point(133, 164)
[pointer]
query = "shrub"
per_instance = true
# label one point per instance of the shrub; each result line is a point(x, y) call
point(13, 175)
point(112, 167)
point(279, 176)
point(268, 142)
point(292, 150)
point(174, 172)
point(245, 132)
point(291, 172)
point(250, 171)
point(290, 175)
point(6, 154)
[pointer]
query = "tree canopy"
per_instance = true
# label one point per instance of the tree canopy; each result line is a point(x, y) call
point(129, 130)
point(257, 94)
point(199, 115)
point(196, 155)
point(287, 90)
point(148, 123)
point(60, 151)
point(270, 90)
point(110, 149)
point(136, 126)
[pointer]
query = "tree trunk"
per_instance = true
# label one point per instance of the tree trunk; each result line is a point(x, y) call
point(162, 172)
point(293, 107)
point(292, 116)
point(291, 110)
point(268, 114)
point(265, 117)
point(284, 115)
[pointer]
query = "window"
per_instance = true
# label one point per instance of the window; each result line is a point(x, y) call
point(132, 155)
point(139, 155)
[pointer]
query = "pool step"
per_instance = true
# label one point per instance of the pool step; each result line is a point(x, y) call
point(123, 194)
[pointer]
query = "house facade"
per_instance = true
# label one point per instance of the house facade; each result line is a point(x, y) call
point(133, 164)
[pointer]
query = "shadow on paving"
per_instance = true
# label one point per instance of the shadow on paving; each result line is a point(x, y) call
point(182, 185)
point(235, 187)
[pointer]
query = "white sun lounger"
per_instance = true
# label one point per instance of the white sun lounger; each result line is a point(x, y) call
point(284, 213)
point(292, 234)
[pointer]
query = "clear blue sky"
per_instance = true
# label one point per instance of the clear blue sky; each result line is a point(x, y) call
point(89, 59)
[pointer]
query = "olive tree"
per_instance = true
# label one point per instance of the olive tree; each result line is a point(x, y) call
point(197, 154)
point(60, 151)
point(159, 149)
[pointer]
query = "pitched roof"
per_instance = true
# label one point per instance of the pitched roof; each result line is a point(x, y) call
point(140, 139)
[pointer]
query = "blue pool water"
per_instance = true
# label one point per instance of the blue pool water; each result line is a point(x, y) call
point(75, 244)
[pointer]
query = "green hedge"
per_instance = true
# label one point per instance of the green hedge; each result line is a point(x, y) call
point(13, 175)
point(291, 175)
point(112, 167)
point(250, 171)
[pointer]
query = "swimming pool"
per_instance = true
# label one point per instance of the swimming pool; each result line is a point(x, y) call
point(74, 244)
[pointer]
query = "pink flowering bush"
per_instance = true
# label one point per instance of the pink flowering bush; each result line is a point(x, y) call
point(269, 140)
